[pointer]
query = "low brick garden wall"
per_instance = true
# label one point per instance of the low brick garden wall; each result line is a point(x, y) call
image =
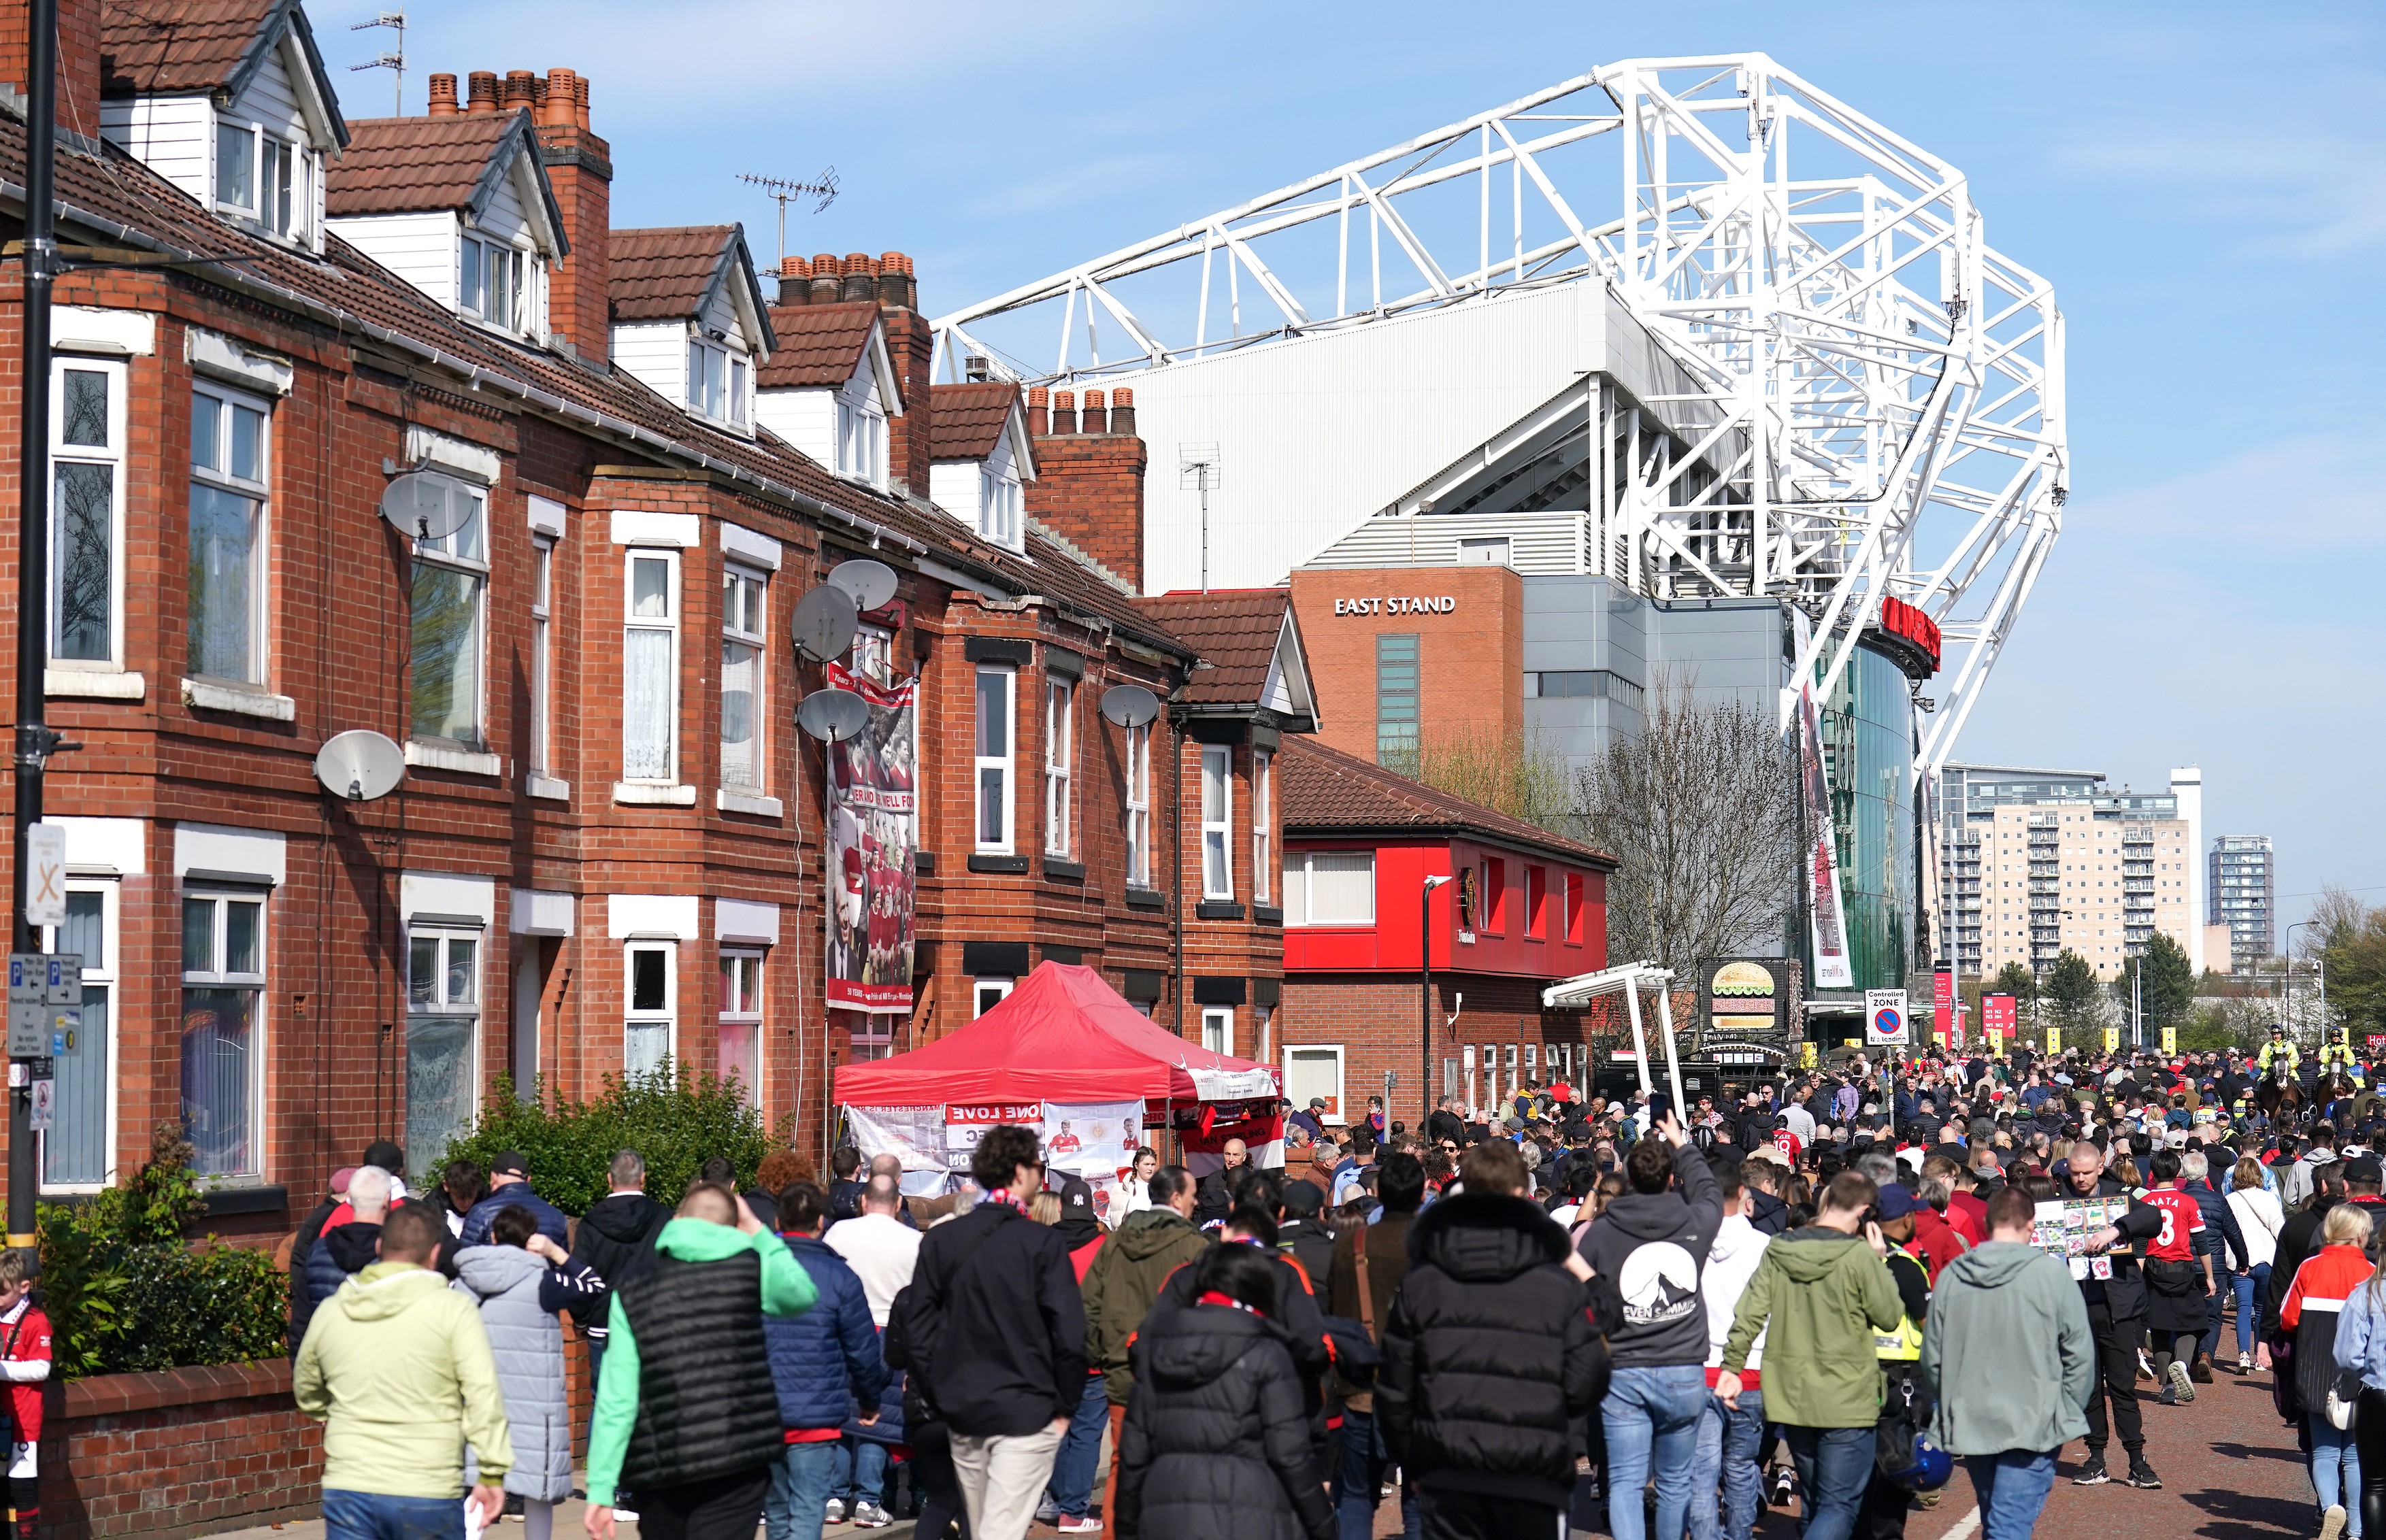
point(182, 1452)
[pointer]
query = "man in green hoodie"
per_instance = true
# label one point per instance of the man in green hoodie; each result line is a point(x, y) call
point(686, 1411)
point(397, 1367)
point(2011, 1353)
point(1818, 1296)
point(1126, 1279)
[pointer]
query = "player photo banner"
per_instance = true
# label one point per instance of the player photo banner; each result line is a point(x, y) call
point(1827, 917)
point(1092, 1139)
point(873, 827)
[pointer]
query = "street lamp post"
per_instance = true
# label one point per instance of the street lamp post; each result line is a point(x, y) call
point(1424, 999)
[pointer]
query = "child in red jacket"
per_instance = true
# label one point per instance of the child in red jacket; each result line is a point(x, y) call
point(25, 1362)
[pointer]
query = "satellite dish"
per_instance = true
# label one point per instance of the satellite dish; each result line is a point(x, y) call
point(871, 583)
point(1129, 704)
point(824, 623)
point(360, 765)
point(833, 715)
point(425, 505)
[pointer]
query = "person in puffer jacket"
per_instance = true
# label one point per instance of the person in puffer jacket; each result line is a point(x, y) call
point(351, 1241)
point(822, 1362)
point(521, 1279)
point(1215, 1446)
point(1494, 1351)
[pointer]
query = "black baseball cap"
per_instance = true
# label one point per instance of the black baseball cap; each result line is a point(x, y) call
point(509, 1163)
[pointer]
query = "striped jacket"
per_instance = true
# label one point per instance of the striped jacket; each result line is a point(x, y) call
point(2314, 1301)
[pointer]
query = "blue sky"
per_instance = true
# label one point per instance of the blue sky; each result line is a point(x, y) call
point(2206, 184)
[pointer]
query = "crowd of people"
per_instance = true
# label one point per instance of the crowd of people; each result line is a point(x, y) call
point(1818, 1289)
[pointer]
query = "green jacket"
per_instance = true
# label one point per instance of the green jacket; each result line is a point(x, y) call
point(398, 1368)
point(1122, 1283)
point(2009, 1352)
point(1818, 1295)
point(787, 1290)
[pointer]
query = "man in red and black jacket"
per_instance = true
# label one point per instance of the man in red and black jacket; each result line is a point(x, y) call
point(25, 1359)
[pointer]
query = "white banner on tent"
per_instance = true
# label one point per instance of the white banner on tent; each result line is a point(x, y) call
point(915, 1135)
point(1092, 1139)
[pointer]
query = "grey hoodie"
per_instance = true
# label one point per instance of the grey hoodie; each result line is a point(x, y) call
point(2008, 1351)
point(1653, 1246)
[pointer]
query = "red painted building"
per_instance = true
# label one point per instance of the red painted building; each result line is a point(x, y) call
point(1522, 909)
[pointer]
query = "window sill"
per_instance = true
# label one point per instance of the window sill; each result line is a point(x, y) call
point(1005, 865)
point(1217, 909)
point(263, 1199)
point(464, 760)
point(1065, 869)
point(923, 862)
point(1267, 914)
point(238, 699)
point(548, 787)
point(641, 795)
point(94, 683)
point(755, 806)
point(1145, 898)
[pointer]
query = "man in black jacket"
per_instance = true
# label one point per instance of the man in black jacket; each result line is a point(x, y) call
point(616, 1240)
point(1490, 1357)
point(996, 1337)
point(2116, 1317)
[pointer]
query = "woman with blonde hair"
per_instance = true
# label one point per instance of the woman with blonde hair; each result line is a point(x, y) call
point(2313, 1313)
point(2259, 1216)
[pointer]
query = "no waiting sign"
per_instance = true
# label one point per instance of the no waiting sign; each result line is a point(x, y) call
point(1885, 1019)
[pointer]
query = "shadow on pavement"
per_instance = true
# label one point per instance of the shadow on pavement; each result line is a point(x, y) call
point(2239, 1515)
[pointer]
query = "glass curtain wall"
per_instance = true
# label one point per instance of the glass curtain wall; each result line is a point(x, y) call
point(1868, 746)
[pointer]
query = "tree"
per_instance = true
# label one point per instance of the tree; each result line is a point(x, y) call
point(2352, 946)
point(1700, 810)
point(2072, 989)
point(1517, 774)
point(2166, 985)
point(2014, 978)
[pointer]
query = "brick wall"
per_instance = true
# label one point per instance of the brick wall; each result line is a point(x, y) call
point(1375, 1019)
point(1470, 659)
point(189, 1451)
point(1088, 485)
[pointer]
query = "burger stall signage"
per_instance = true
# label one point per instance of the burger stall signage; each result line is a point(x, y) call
point(1743, 995)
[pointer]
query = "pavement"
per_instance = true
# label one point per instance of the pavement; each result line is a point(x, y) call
point(2231, 1471)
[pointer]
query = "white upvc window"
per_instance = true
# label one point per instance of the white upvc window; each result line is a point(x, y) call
point(1139, 805)
point(77, 1150)
point(743, 679)
point(450, 625)
point(262, 177)
point(741, 1021)
point(443, 1034)
point(650, 973)
point(1313, 1070)
point(542, 656)
point(861, 443)
point(223, 1030)
point(1330, 887)
point(1262, 764)
point(717, 382)
point(874, 653)
point(1217, 822)
point(1218, 1029)
point(231, 442)
point(998, 509)
point(650, 668)
point(87, 437)
point(994, 742)
point(494, 283)
point(1060, 752)
point(987, 994)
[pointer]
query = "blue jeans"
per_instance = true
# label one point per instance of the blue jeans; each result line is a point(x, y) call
point(1081, 1450)
point(1650, 1417)
point(866, 1472)
point(2224, 1282)
point(1834, 1466)
point(372, 1516)
point(2335, 1470)
point(2251, 1286)
point(2011, 1488)
point(1729, 1437)
point(803, 1481)
point(1364, 1459)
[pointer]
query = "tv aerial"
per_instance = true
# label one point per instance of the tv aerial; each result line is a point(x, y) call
point(360, 765)
point(832, 715)
point(425, 505)
point(870, 584)
point(824, 623)
point(1129, 704)
point(784, 191)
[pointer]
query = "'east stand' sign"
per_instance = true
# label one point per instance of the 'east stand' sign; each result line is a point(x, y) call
point(1397, 603)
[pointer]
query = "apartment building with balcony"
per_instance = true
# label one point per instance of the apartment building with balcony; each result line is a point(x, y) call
point(2245, 887)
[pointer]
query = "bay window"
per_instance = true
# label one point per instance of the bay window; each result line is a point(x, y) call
point(741, 1021)
point(230, 442)
point(443, 1022)
point(650, 668)
point(742, 678)
point(86, 511)
point(1262, 765)
point(542, 656)
point(223, 988)
point(993, 760)
point(77, 1150)
point(1217, 818)
point(1059, 745)
point(451, 583)
point(653, 1000)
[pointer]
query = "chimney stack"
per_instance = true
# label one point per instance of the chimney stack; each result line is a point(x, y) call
point(896, 285)
point(1097, 416)
point(795, 281)
point(482, 93)
point(826, 268)
point(1039, 411)
point(580, 169)
point(78, 72)
point(860, 277)
point(1064, 412)
point(443, 96)
point(1089, 478)
point(1122, 412)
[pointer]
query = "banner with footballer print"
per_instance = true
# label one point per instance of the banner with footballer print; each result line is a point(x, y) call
point(873, 827)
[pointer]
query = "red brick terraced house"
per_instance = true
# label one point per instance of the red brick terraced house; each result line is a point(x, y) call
point(611, 843)
point(1524, 908)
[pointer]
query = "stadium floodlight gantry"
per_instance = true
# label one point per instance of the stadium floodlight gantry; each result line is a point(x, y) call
point(1863, 398)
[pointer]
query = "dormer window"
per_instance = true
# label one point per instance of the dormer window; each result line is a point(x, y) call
point(490, 288)
point(718, 384)
point(861, 443)
point(261, 178)
point(998, 509)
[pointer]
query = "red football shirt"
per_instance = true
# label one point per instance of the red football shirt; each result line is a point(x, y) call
point(2181, 1219)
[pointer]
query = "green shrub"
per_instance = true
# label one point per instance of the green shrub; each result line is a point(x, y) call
point(124, 1291)
point(676, 1119)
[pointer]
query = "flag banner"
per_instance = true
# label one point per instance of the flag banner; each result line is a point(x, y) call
point(1827, 918)
point(873, 827)
point(915, 1135)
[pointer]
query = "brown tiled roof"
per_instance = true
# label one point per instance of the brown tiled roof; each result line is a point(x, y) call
point(819, 344)
point(415, 165)
point(125, 200)
point(664, 274)
point(1234, 630)
point(168, 47)
point(966, 421)
point(1326, 791)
